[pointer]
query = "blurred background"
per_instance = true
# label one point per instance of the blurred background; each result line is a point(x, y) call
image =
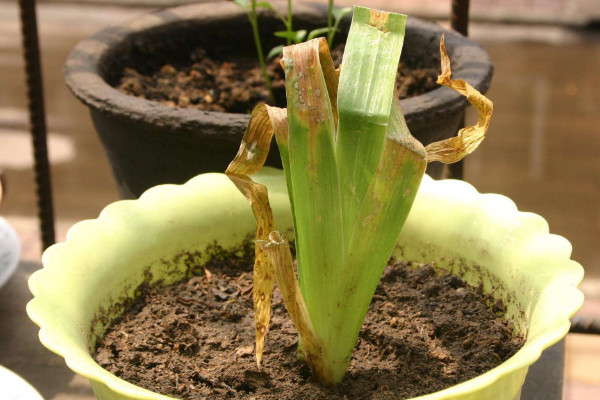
point(542, 150)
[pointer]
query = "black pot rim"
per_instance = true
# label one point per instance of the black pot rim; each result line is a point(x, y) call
point(82, 71)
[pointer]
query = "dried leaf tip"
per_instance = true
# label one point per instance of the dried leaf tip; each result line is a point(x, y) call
point(379, 20)
point(469, 138)
point(264, 123)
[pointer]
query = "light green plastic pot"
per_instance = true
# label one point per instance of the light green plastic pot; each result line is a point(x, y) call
point(479, 236)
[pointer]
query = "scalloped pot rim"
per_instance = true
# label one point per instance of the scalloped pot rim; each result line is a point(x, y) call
point(545, 254)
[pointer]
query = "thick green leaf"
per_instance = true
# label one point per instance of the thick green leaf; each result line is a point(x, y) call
point(365, 95)
point(333, 173)
point(380, 219)
point(314, 181)
point(380, 168)
point(331, 81)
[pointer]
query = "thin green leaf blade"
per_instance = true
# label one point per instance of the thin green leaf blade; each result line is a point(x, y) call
point(268, 6)
point(339, 13)
point(299, 36)
point(317, 32)
point(295, 36)
point(265, 4)
point(245, 4)
point(275, 51)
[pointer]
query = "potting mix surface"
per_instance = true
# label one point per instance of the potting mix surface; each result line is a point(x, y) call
point(237, 85)
point(195, 340)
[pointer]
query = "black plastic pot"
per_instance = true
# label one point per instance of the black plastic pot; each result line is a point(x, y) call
point(148, 143)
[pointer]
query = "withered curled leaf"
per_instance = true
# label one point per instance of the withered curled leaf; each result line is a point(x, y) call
point(469, 138)
point(249, 160)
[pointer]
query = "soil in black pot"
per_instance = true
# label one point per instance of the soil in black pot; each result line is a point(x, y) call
point(194, 340)
point(237, 85)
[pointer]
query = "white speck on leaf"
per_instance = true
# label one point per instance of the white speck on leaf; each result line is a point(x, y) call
point(250, 151)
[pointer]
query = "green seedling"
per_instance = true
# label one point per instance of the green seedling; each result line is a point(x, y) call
point(250, 7)
point(334, 16)
point(352, 170)
point(295, 37)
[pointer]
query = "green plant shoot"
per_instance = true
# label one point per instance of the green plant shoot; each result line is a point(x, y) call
point(250, 7)
point(330, 22)
point(352, 170)
point(334, 17)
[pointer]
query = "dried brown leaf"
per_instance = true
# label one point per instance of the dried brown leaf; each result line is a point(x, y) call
point(469, 138)
point(264, 122)
point(278, 250)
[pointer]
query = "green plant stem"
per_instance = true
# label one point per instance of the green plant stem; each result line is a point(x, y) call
point(289, 21)
point(331, 33)
point(261, 58)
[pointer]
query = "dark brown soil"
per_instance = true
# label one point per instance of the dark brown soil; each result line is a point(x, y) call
point(237, 85)
point(194, 340)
